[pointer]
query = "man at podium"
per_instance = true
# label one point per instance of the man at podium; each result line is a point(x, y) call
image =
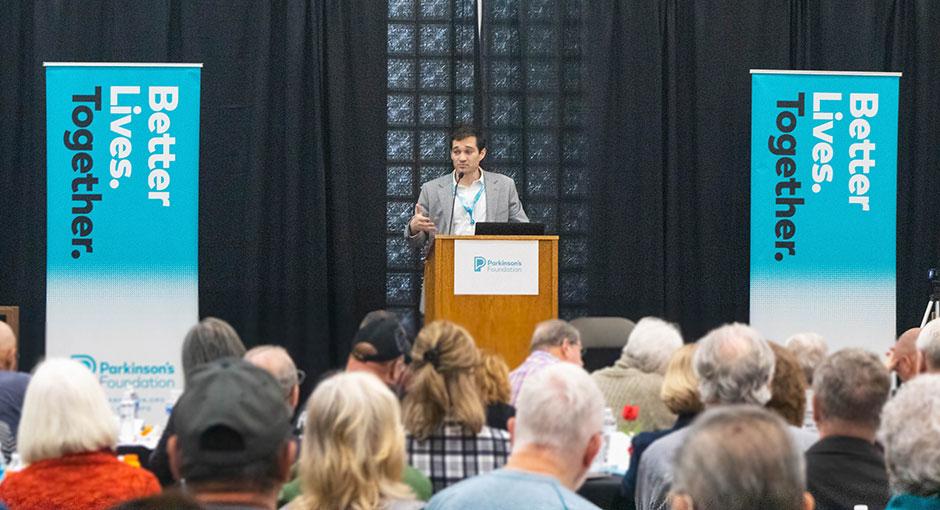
point(456, 202)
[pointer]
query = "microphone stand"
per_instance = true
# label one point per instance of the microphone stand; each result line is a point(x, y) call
point(450, 228)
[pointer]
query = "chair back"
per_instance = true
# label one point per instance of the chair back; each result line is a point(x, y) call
point(604, 338)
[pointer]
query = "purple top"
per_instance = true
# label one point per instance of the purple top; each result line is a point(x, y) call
point(535, 362)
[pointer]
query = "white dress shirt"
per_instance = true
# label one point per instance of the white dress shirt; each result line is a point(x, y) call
point(465, 195)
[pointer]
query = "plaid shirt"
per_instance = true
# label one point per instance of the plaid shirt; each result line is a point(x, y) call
point(450, 455)
point(535, 362)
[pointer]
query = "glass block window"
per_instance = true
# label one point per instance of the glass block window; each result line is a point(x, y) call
point(433, 57)
point(534, 116)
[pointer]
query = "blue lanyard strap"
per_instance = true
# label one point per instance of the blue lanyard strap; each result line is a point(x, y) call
point(472, 206)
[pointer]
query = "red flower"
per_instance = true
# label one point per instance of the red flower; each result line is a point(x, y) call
point(630, 413)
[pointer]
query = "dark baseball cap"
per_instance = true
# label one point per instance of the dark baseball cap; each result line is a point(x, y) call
point(232, 413)
point(381, 337)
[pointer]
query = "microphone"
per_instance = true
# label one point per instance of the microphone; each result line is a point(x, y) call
point(450, 228)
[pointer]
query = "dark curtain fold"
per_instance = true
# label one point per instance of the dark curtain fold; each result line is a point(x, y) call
point(291, 234)
point(670, 141)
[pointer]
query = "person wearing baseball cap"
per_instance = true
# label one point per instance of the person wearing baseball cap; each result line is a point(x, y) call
point(380, 347)
point(232, 448)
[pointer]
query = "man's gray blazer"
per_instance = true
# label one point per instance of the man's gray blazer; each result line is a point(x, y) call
point(437, 198)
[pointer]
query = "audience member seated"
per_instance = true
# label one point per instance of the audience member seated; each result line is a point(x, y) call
point(167, 500)
point(443, 410)
point(353, 448)
point(232, 446)
point(279, 364)
point(67, 439)
point(846, 468)
point(209, 340)
point(740, 457)
point(810, 350)
point(637, 377)
point(414, 479)
point(494, 386)
point(911, 437)
point(553, 341)
point(379, 347)
point(928, 343)
point(12, 388)
point(734, 365)
point(680, 395)
point(788, 395)
point(904, 359)
point(556, 434)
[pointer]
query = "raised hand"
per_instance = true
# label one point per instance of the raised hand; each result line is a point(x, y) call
point(420, 222)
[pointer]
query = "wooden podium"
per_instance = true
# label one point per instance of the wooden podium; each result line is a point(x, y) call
point(499, 323)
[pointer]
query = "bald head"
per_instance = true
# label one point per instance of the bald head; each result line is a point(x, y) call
point(7, 347)
point(277, 362)
point(907, 342)
point(903, 358)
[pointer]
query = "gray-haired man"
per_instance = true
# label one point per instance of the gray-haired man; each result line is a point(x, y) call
point(709, 467)
point(553, 341)
point(734, 365)
point(556, 434)
point(845, 468)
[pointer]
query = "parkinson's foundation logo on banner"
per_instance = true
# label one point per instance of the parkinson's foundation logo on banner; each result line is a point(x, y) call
point(86, 360)
point(129, 374)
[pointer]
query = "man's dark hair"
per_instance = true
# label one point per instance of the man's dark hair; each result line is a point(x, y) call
point(210, 340)
point(167, 500)
point(465, 131)
point(258, 476)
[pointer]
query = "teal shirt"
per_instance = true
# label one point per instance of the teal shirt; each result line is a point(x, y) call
point(912, 502)
point(509, 489)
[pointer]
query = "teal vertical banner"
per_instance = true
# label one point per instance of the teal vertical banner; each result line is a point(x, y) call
point(122, 146)
point(823, 205)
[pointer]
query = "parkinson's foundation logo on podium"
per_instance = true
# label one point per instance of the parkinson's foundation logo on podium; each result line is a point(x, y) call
point(500, 265)
point(496, 267)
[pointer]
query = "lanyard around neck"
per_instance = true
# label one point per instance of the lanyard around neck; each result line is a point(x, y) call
point(472, 206)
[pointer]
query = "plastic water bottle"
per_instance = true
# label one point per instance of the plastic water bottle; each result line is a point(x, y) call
point(127, 412)
point(16, 463)
point(610, 427)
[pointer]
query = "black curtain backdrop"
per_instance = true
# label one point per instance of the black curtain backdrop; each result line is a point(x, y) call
point(670, 103)
point(293, 140)
point(291, 215)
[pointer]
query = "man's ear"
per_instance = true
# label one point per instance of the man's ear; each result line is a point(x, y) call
point(286, 460)
point(482, 153)
point(511, 426)
point(818, 413)
point(294, 397)
point(808, 502)
point(172, 451)
point(681, 502)
point(593, 446)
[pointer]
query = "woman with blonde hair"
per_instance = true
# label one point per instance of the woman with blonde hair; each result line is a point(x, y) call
point(444, 412)
point(495, 390)
point(353, 448)
point(67, 437)
point(680, 394)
